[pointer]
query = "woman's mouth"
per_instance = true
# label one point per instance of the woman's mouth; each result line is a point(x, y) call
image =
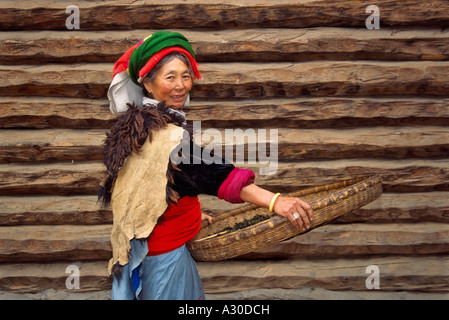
point(178, 98)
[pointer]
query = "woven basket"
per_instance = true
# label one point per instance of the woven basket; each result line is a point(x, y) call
point(328, 203)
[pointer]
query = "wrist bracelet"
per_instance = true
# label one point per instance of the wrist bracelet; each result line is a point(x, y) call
point(273, 201)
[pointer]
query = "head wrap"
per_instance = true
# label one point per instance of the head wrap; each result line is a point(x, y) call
point(132, 67)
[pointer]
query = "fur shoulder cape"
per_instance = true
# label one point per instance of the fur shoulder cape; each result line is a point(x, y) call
point(137, 156)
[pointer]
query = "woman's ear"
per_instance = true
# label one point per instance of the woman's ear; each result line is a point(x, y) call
point(148, 87)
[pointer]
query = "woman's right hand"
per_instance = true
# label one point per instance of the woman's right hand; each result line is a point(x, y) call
point(294, 209)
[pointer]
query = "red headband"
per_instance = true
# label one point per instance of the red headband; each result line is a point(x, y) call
point(159, 55)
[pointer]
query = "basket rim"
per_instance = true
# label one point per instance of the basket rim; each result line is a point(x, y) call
point(351, 187)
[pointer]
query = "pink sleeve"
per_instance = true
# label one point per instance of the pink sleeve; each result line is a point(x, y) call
point(236, 180)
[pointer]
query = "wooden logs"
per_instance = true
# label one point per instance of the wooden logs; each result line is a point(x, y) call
point(237, 80)
point(53, 210)
point(84, 210)
point(58, 179)
point(38, 243)
point(425, 277)
point(76, 242)
point(124, 14)
point(303, 44)
point(415, 273)
point(292, 144)
point(84, 178)
point(299, 112)
point(346, 101)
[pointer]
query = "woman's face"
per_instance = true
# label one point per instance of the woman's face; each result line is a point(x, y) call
point(171, 84)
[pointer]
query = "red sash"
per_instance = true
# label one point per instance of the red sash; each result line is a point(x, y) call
point(181, 222)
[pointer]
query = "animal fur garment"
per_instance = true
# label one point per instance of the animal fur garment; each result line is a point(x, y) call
point(137, 156)
point(127, 135)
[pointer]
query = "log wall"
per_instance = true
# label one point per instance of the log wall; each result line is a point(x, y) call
point(346, 101)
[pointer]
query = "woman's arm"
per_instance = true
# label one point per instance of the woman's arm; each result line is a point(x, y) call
point(284, 206)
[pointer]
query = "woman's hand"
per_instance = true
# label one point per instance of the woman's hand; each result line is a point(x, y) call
point(207, 217)
point(294, 209)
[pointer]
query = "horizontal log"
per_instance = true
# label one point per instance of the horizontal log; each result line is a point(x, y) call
point(322, 79)
point(51, 145)
point(301, 293)
point(310, 113)
point(38, 112)
point(396, 274)
point(84, 178)
point(246, 80)
point(308, 144)
point(52, 294)
point(291, 144)
point(399, 277)
point(125, 15)
point(66, 242)
point(253, 294)
point(53, 210)
point(305, 113)
point(397, 175)
point(361, 239)
point(59, 179)
point(404, 208)
point(87, 81)
point(84, 210)
point(43, 47)
point(52, 243)
point(38, 277)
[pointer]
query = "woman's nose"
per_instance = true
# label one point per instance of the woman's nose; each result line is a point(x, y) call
point(179, 84)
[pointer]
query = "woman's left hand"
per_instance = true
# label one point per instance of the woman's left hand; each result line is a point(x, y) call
point(207, 217)
point(296, 210)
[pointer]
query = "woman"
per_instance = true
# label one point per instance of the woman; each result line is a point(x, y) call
point(154, 183)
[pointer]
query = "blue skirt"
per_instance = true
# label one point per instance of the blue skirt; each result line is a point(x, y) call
point(169, 276)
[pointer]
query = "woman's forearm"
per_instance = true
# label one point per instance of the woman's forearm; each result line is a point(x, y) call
point(256, 195)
